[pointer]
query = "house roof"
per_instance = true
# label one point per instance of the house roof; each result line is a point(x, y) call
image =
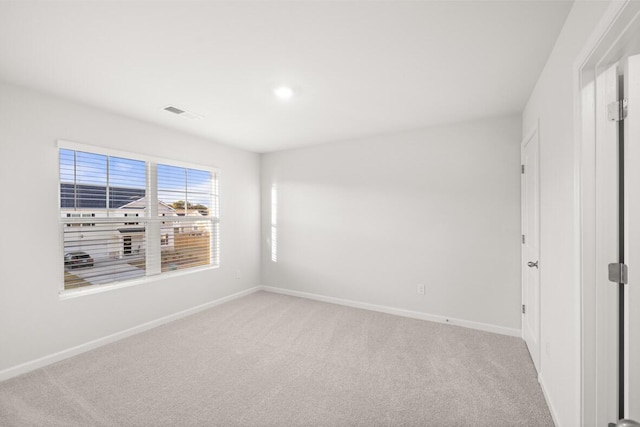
point(141, 203)
point(82, 196)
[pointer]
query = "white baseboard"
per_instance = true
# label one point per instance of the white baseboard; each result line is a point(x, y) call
point(546, 398)
point(73, 351)
point(400, 312)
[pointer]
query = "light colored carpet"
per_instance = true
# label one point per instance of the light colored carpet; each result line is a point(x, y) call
point(275, 360)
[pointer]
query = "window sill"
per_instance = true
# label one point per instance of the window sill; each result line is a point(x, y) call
point(96, 289)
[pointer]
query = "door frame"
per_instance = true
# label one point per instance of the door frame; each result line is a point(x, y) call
point(533, 133)
point(608, 43)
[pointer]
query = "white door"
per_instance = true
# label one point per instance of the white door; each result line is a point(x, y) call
point(618, 237)
point(531, 246)
point(632, 240)
point(607, 250)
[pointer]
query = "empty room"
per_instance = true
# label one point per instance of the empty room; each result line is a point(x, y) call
point(320, 213)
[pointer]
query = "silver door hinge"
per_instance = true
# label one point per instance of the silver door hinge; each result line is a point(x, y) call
point(617, 111)
point(524, 310)
point(521, 168)
point(618, 273)
point(523, 239)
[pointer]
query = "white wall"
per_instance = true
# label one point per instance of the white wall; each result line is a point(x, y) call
point(368, 220)
point(34, 322)
point(552, 104)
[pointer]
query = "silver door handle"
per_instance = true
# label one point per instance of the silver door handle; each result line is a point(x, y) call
point(533, 264)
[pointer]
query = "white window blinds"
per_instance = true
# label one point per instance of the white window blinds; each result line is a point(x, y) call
point(190, 198)
point(110, 229)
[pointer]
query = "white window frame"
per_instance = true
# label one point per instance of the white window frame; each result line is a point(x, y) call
point(151, 219)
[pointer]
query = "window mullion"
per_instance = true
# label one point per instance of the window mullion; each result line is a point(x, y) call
point(153, 254)
point(107, 204)
point(75, 180)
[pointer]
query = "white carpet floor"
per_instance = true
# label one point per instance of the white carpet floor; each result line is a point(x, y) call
point(274, 360)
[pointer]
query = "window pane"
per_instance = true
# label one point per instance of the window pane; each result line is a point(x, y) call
point(127, 182)
point(187, 241)
point(186, 244)
point(83, 180)
point(91, 169)
point(67, 169)
point(98, 254)
point(88, 180)
point(215, 205)
point(187, 191)
point(198, 192)
point(172, 187)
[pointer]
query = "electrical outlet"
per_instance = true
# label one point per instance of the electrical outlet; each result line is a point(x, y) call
point(547, 348)
point(420, 289)
point(237, 274)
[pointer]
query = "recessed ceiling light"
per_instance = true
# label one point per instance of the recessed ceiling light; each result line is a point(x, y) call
point(283, 92)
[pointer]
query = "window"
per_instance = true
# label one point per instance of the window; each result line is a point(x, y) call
point(134, 215)
point(147, 217)
point(77, 215)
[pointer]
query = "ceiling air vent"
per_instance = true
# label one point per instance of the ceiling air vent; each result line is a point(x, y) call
point(181, 112)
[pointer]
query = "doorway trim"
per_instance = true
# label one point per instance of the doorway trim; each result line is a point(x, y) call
point(606, 43)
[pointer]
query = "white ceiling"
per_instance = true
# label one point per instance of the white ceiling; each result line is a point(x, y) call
point(360, 67)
